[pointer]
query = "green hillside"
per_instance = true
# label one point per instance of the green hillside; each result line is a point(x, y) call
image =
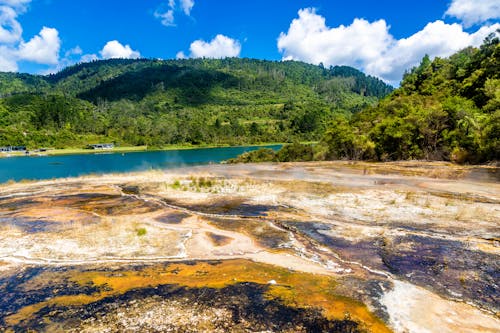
point(445, 109)
point(156, 102)
point(16, 83)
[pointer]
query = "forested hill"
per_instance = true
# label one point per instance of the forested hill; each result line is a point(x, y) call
point(445, 109)
point(159, 102)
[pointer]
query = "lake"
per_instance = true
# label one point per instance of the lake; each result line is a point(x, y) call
point(47, 167)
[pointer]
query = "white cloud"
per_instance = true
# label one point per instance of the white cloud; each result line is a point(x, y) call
point(18, 5)
point(219, 47)
point(71, 56)
point(10, 29)
point(310, 40)
point(89, 57)
point(114, 49)
point(167, 18)
point(186, 6)
point(180, 55)
point(166, 12)
point(14, 3)
point(43, 48)
point(7, 60)
point(472, 12)
point(437, 39)
point(370, 46)
point(77, 50)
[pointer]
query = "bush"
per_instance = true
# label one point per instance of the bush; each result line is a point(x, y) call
point(296, 152)
point(260, 155)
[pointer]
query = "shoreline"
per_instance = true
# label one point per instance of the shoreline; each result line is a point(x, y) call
point(126, 149)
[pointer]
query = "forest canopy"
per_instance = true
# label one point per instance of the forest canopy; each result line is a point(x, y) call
point(192, 101)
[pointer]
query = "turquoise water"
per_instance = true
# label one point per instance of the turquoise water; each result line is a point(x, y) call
point(47, 167)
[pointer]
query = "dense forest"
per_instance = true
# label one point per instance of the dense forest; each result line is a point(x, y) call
point(191, 101)
point(445, 109)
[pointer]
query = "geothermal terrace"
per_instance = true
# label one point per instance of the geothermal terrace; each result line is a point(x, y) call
point(293, 247)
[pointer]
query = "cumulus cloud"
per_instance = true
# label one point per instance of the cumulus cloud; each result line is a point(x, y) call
point(43, 48)
point(10, 29)
point(370, 46)
point(114, 49)
point(219, 47)
point(437, 39)
point(472, 12)
point(310, 40)
point(166, 12)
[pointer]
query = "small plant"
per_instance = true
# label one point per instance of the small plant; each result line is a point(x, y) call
point(203, 182)
point(176, 184)
point(141, 232)
point(199, 183)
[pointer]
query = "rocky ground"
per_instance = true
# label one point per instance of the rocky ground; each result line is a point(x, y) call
point(304, 247)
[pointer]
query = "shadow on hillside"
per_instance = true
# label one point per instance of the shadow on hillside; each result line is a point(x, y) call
point(192, 86)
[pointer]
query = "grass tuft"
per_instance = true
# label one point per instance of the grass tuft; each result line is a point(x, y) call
point(141, 232)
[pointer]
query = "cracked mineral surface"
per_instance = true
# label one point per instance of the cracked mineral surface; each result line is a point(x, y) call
point(293, 247)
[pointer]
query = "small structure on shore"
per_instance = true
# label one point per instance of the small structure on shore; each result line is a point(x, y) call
point(9, 149)
point(102, 146)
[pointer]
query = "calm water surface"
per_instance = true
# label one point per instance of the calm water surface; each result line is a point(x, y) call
point(46, 167)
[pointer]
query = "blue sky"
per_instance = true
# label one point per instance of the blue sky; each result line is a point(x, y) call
point(382, 38)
